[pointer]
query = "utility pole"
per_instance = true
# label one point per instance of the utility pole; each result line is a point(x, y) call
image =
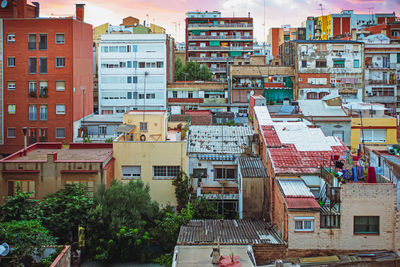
point(322, 9)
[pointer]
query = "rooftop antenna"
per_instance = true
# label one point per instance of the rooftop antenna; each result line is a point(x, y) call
point(322, 9)
point(264, 25)
point(371, 13)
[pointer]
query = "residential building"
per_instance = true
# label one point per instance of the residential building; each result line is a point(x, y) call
point(263, 49)
point(143, 152)
point(326, 67)
point(370, 125)
point(48, 76)
point(197, 95)
point(278, 36)
point(98, 128)
point(213, 40)
point(133, 72)
point(213, 153)
point(328, 115)
point(313, 28)
point(382, 70)
point(45, 168)
point(390, 30)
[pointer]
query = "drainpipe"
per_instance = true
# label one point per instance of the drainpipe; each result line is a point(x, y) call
point(228, 75)
point(25, 130)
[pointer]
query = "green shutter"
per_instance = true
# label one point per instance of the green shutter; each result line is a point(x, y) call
point(288, 82)
point(398, 57)
point(235, 54)
point(196, 32)
point(215, 43)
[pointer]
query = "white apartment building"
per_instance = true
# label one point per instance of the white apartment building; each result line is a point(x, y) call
point(133, 72)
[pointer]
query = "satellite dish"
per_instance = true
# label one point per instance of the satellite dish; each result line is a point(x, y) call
point(4, 3)
point(4, 248)
point(252, 93)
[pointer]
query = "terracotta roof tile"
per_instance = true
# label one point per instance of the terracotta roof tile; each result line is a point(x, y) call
point(301, 203)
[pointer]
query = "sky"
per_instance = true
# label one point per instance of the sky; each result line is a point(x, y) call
point(171, 14)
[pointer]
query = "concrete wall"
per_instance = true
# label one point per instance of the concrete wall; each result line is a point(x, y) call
point(147, 155)
point(156, 125)
point(329, 128)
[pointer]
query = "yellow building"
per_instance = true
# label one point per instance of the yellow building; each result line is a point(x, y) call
point(372, 126)
point(156, 29)
point(100, 30)
point(156, 159)
point(323, 22)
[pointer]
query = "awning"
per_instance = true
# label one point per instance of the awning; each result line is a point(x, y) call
point(348, 91)
point(216, 157)
point(124, 128)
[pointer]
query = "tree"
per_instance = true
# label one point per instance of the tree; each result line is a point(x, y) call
point(204, 209)
point(119, 222)
point(181, 189)
point(65, 210)
point(28, 237)
point(191, 71)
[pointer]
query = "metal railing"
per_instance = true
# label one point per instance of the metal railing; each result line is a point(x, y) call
point(223, 48)
point(208, 37)
point(225, 25)
point(202, 59)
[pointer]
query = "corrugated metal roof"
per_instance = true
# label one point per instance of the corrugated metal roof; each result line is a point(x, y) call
point(124, 128)
point(238, 232)
point(294, 187)
point(252, 168)
point(301, 203)
point(218, 139)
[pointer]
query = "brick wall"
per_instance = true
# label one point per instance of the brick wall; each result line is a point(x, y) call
point(266, 253)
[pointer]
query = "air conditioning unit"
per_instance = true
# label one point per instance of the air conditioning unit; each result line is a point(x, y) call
point(369, 93)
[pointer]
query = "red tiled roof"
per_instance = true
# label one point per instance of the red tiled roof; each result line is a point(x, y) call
point(301, 203)
point(270, 135)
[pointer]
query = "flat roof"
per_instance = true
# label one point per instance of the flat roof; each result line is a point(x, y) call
point(230, 232)
point(76, 152)
point(319, 108)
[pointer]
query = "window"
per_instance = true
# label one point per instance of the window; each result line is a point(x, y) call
point(60, 109)
point(174, 94)
point(366, 225)
point(131, 172)
point(165, 172)
point(142, 65)
point(89, 185)
point(43, 65)
point(190, 94)
point(134, 64)
point(312, 95)
point(148, 65)
point(356, 63)
point(11, 133)
point(32, 65)
point(199, 172)
point(32, 88)
point(43, 90)
point(129, 79)
point(60, 38)
point(320, 63)
point(42, 41)
point(225, 172)
point(386, 91)
point(150, 96)
point(134, 48)
point(143, 126)
point(11, 85)
point(141, 96)
point(11, 62)
point(60, 62)
point(11, 38)
point(303, 224)
point(160, 64)
point(304, 63)
point(129, 95)
point(338, 63)
point(339, 134)
point(11, 109)
point(43, 112)
point(60, 132)
point(32, 112)
point(24, 185)
point(373, 135)
point(31, 41)
point(129, 64)
point(60, 85)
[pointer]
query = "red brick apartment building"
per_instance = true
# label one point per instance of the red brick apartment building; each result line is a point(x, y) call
point(212, 39)
point(47, 81)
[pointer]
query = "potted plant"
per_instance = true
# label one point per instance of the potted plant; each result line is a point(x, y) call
point(32, 93)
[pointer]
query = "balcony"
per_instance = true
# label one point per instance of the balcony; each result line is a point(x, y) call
point(391, 66)
point(43, 139)
point(220, 26)
point(214, 101)
point(380, 99)
point(220, 48)
point(209, 59)
point(227, 37)
point(218, 69)
point(32, 140)
point(382, 82)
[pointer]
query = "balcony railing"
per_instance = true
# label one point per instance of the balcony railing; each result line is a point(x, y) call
point(383, 66)
point(218, 69)
point(43, 138)
point(211, 59)
point(391, 82)
point(225, 25)
point(209, 37)
point(214, 101)
point(221, 48)
point(32, 140)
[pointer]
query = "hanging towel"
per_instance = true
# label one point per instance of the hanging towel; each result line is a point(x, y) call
point(354, 174)
point(360, 172)
point(349, 162)
point(371, 175)
point(379, 170)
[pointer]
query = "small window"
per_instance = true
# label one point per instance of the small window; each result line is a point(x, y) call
point(32, 112)
point(11, 62)
point(356, 63)
point(131, 172)
point(320, 64)
point(31, 41)
point(32, 65)
point(43, 113)
point(143, 126)
point(60, 85)
point(174, 94)
point(366, 225)
point(190, 94)
point(11, 38)
point(338, 63)
point(43, 65)
point(60, 132)
point(303, 224)
point(160, 64)
point(11, 133)
point(60, 109)
point(129, 79)
point(60, 62)
point(304, 63)
point(11, 85)
point(26, 186)
point(42, 41)
point(165, 172)
point(11, 109)
point(60, 38)
point(142, 65)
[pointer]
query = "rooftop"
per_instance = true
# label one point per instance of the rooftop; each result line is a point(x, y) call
point(318, 108)
point(252, 167)
point(294, 187)
point(218, 139)
point(103, 118)
point(76, 152)
point(231, 232)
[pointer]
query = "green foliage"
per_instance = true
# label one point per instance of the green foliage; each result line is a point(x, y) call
point(118, 224)
point(86, 139)
point(181, 189)
point(191, 71)
point(167, 229)
point(109, 140)
point(28, 237)
point(229, 123)
point(46, 262)
point(65, 210)
point(165, 259)
point(19, 207)
point(205, 209)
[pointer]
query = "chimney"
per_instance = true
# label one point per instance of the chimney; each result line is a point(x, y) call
point(37, 5)
point(80, 12)
point(21, 8)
